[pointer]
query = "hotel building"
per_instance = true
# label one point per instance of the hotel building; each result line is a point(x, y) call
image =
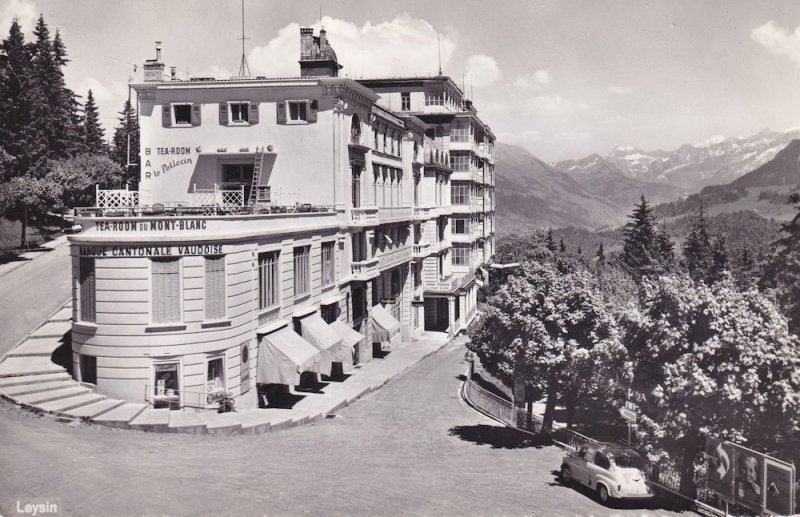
point(281, 227)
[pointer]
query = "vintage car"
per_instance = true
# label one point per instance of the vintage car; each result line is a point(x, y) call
point(612, 471)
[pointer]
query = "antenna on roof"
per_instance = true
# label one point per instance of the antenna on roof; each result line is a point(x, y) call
point(244, 69)
point(439, 46)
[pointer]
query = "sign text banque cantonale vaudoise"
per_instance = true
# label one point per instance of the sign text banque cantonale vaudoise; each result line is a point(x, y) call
point(150, 251)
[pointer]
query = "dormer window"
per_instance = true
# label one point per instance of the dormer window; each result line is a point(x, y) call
point(239, 112)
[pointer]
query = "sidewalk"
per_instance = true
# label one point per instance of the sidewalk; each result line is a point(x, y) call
point(29, 379)
point(28, 256)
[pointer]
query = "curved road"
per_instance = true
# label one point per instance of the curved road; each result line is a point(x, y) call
point(411, 448)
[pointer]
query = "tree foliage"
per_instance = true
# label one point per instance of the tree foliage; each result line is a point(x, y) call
point(782, 270)
point(645, 251)
point(92, 132)
point(710, 359)
point(127, 132)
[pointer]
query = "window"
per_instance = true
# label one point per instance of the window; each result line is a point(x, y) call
point(328, 263)
point(356, 187)
point(460, 256)
point(166, 381)
point(298, 111)
point(460, 226)
point(302, 270)
point(359, 303)
point(87, 289)
point(166, 290)
point(460, 132)
point(215, 378)
point(460, 162)
point(268, 279)
point(88, 365)
point(359, 242)
point(405, 101)
point(355, 130)
point(459, 194)
point(601, 460)
point(239, 112)
point(182, 113)
point(215, 287)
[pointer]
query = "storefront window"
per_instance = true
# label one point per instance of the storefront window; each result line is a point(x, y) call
point(166, 380)
point(215, 379)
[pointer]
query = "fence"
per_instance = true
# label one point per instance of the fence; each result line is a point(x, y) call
point(116, 198)
point(662, 475)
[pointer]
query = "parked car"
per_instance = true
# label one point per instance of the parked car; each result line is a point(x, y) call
point(612, 471)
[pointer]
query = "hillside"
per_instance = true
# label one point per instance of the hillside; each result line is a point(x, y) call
point(783, 170)
point(532, 194)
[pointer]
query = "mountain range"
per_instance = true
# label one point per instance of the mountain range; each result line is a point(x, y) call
point(596, 192)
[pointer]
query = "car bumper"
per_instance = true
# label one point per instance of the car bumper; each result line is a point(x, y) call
point(633, 495)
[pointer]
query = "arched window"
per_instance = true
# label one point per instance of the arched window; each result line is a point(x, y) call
point(355, 129)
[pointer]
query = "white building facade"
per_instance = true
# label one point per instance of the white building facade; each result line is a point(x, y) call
point(282, 227)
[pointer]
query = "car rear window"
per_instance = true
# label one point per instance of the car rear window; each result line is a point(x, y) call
point(629, 461)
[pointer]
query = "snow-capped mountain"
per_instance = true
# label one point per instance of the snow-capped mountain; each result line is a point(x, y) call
point(718, 160)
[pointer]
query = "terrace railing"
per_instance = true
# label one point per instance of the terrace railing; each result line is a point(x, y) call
point(116, 198)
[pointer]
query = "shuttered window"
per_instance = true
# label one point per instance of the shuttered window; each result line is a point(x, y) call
point(328, 263)
point(215, 287)
point(87, 289)
point(302, 270)
point(268, 279)
point(166, 290)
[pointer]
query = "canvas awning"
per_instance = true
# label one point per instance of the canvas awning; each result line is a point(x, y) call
point(316, 332)
point(283, 355)
point(350, 338)
point(386, 326)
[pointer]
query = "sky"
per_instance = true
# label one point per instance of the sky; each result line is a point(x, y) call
point(561, 78)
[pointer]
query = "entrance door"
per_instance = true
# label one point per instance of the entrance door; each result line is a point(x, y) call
point(237, 174)
point(89, 369)
point(436, 314)
point(166, 384)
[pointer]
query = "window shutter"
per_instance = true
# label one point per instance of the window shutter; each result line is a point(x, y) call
point(253, 113)
point(166, 290)
point(215, 287)
point(166, 116)
point(281, 112)
point(196, 114)
point(312, 112)
point(223, 114)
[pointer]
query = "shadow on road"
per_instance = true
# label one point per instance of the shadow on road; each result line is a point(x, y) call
point(497, 437)
point(62, 355)
point(10, 256)
point(662, 501)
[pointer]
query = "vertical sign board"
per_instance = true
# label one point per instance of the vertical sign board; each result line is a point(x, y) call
point(244, 379)
point(720, 467)
point(779, 483)
point(749, 478)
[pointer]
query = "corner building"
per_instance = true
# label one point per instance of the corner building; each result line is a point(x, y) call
point(283, 228)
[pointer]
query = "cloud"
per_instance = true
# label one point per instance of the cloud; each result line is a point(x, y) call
point(400, 47)
point(620, 90)
point(537, 80)
point(519, 137)
point(573, 136)
point(555, 105)
point(778, 40)
point(215, 71)
point(25, 10)
point(482, 70)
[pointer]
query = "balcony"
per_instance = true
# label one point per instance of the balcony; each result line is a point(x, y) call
point(365, 270)
point(394, 257)
point(423, 213)
point(422, 250)
point(448, 285)
point(226, 198)
point(364, 216)
point(395, 214)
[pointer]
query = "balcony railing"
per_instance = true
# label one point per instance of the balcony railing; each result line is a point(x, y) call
point(118, 198)
point(422, 249)
point(393, 257)
point(422, 213)
point(392, 214)
point(364, 216)
point(365, 269)
point(231, 197)
point(446, 284)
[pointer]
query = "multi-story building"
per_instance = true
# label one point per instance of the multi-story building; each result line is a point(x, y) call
point(281, 226)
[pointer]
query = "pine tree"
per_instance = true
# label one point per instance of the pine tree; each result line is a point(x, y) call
point(128, 127)
point(719, 260)
point(579, 250)
point(92, 132)
point(666, 248)
point(782, 269)
point(697, 252)
point(601, 254)
point(549, 241)
point(561, 246)
point(641, 251)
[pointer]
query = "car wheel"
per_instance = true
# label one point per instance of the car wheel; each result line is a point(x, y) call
point(566, 475)
point(602, 493)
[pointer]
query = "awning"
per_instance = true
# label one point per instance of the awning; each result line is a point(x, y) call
point(385, 325)
point(316, 332)
point(350, 338)
point(283, 355)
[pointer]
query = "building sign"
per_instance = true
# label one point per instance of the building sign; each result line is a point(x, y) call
point(720, 467)
point(150, 251)
point(245, 371)
point(749, 478)
point(179, 155)
point(151, 226)
point(780, 487)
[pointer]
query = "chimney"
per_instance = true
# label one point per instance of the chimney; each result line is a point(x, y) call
point(154, 68)
point(172, 72)
point(306, 42)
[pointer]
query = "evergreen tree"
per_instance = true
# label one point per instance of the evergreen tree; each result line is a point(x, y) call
point(697, 251)
point(549, 241)
point(579, 250)
point(561, 246)
point(92, 132)
point(666, 248)
point(128, 127)
point(719, 260)
point(641, 250)
point(782, 269)
point(601, 254)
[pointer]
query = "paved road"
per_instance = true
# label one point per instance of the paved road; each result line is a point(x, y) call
point(411, 448)
point(32, 292)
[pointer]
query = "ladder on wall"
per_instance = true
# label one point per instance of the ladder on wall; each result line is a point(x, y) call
point(257, 166)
